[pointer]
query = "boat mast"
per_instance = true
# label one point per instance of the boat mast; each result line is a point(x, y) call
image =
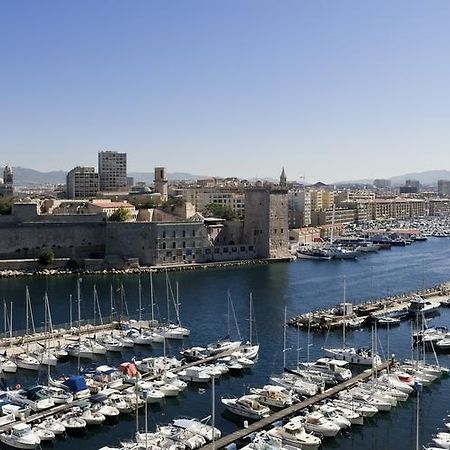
point(152, 298)
point(79, 323)
point(140, 299)
point(250, 315)
point(344, 313)
point(332, 224)
point(27, 313)
point(70, 311)
point(213, 412)
point(177, 305)
point(167, 298)
point(284, 338)
point(11, 321)
point(5, 317)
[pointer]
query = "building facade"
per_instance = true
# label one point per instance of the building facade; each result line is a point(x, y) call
point(7, 188)
point(112, 171)
point(82, 182)
point(443, 187)
point(299, 204)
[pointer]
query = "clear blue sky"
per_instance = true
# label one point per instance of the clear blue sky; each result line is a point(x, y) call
point(335, 89)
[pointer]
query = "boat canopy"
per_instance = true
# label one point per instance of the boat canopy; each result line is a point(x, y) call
point(76, 383)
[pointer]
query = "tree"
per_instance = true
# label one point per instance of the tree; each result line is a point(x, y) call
point(120, 215)
point(5, 205)
point(219, 211)
point(46, 257)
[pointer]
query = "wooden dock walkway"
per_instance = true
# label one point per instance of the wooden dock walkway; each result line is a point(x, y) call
point(291, 410)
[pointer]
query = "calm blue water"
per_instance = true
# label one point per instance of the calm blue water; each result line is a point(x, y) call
point(301, 286)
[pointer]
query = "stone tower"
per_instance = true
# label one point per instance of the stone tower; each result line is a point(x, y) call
point(7, 187)
point(161, 183)
point(266, 224)
point(283, 181)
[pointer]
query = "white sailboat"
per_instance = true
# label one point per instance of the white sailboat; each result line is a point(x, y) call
point(250, 350)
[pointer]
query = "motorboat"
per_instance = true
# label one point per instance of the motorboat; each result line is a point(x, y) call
point(95, 347)
point(44, 434)
point(199, 427)
point(422, 308)
point(7, 365)
point(72, 422)
point(337, 368)
point(112, 344)
point(349, 413)
point(46, 357)
point(51, 424)
point(315, 422)
point(387, 321)
point(194, 354)
point(361, 408)
point(194, 374)
point(191, 440)
point(359, 356)
point(21, 436)
point(76, 384)
point(34, 397)
point(313, 253)
point(25, 361)
point(138, 337)
point(296, 384)
point(80, 350)
point(247, 406)
point(295, 435)
point(331, 413)
point(92, 417)
point(148, 392)
point(168, 389)
point(121, 403)
point(266, 441)
point(273, 396)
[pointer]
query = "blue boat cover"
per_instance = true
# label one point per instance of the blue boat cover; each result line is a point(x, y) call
point(76, 383)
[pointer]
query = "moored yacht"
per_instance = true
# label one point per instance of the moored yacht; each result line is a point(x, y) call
point(246, 406)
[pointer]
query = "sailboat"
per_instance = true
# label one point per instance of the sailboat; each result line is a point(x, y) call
point(250, 350)
point(25, 360)
point(226, 344)
point(173, 330)
point(44, 354)
point(6, 364)
point(360, 356)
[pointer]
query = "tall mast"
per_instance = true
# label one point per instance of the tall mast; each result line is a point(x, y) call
point(344, 312)
point(284, 338)
point(167, 298)
point(5, 318)
point(27, 312)
point(11, 321)
point(251, 318)
point(140, 299)
point(152, 298)
point(79, 304)
point(70, 310)
point(111, 300)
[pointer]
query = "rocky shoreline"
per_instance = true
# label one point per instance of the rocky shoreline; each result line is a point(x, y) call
point(135, 270)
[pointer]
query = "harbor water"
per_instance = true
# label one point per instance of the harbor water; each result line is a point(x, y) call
point(300, 286)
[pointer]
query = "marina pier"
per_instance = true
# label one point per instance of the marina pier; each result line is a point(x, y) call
point(362, 313)
point(294, 409)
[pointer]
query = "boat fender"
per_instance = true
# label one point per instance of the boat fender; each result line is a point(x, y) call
point(18, 386)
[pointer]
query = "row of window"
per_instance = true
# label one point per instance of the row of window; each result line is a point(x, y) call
point(174, 234)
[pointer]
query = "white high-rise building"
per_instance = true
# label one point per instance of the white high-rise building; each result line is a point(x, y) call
point(112, 171)
point(82, 182)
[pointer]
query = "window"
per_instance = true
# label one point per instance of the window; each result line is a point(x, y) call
point(193, 233)
point(163, 234)
point(184, 244)
point(242, 249)
point(174, 233)
point(163, 245)
point(184, 233)
point(281, 231)
point(174, 245)
point(275, 231)
point(216, 250)
point(225, 249)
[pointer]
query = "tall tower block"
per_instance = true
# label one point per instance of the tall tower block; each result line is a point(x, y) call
point(161, 182)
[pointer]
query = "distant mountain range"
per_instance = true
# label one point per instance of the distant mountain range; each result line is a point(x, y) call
point(31, 177)
point(427, 178)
